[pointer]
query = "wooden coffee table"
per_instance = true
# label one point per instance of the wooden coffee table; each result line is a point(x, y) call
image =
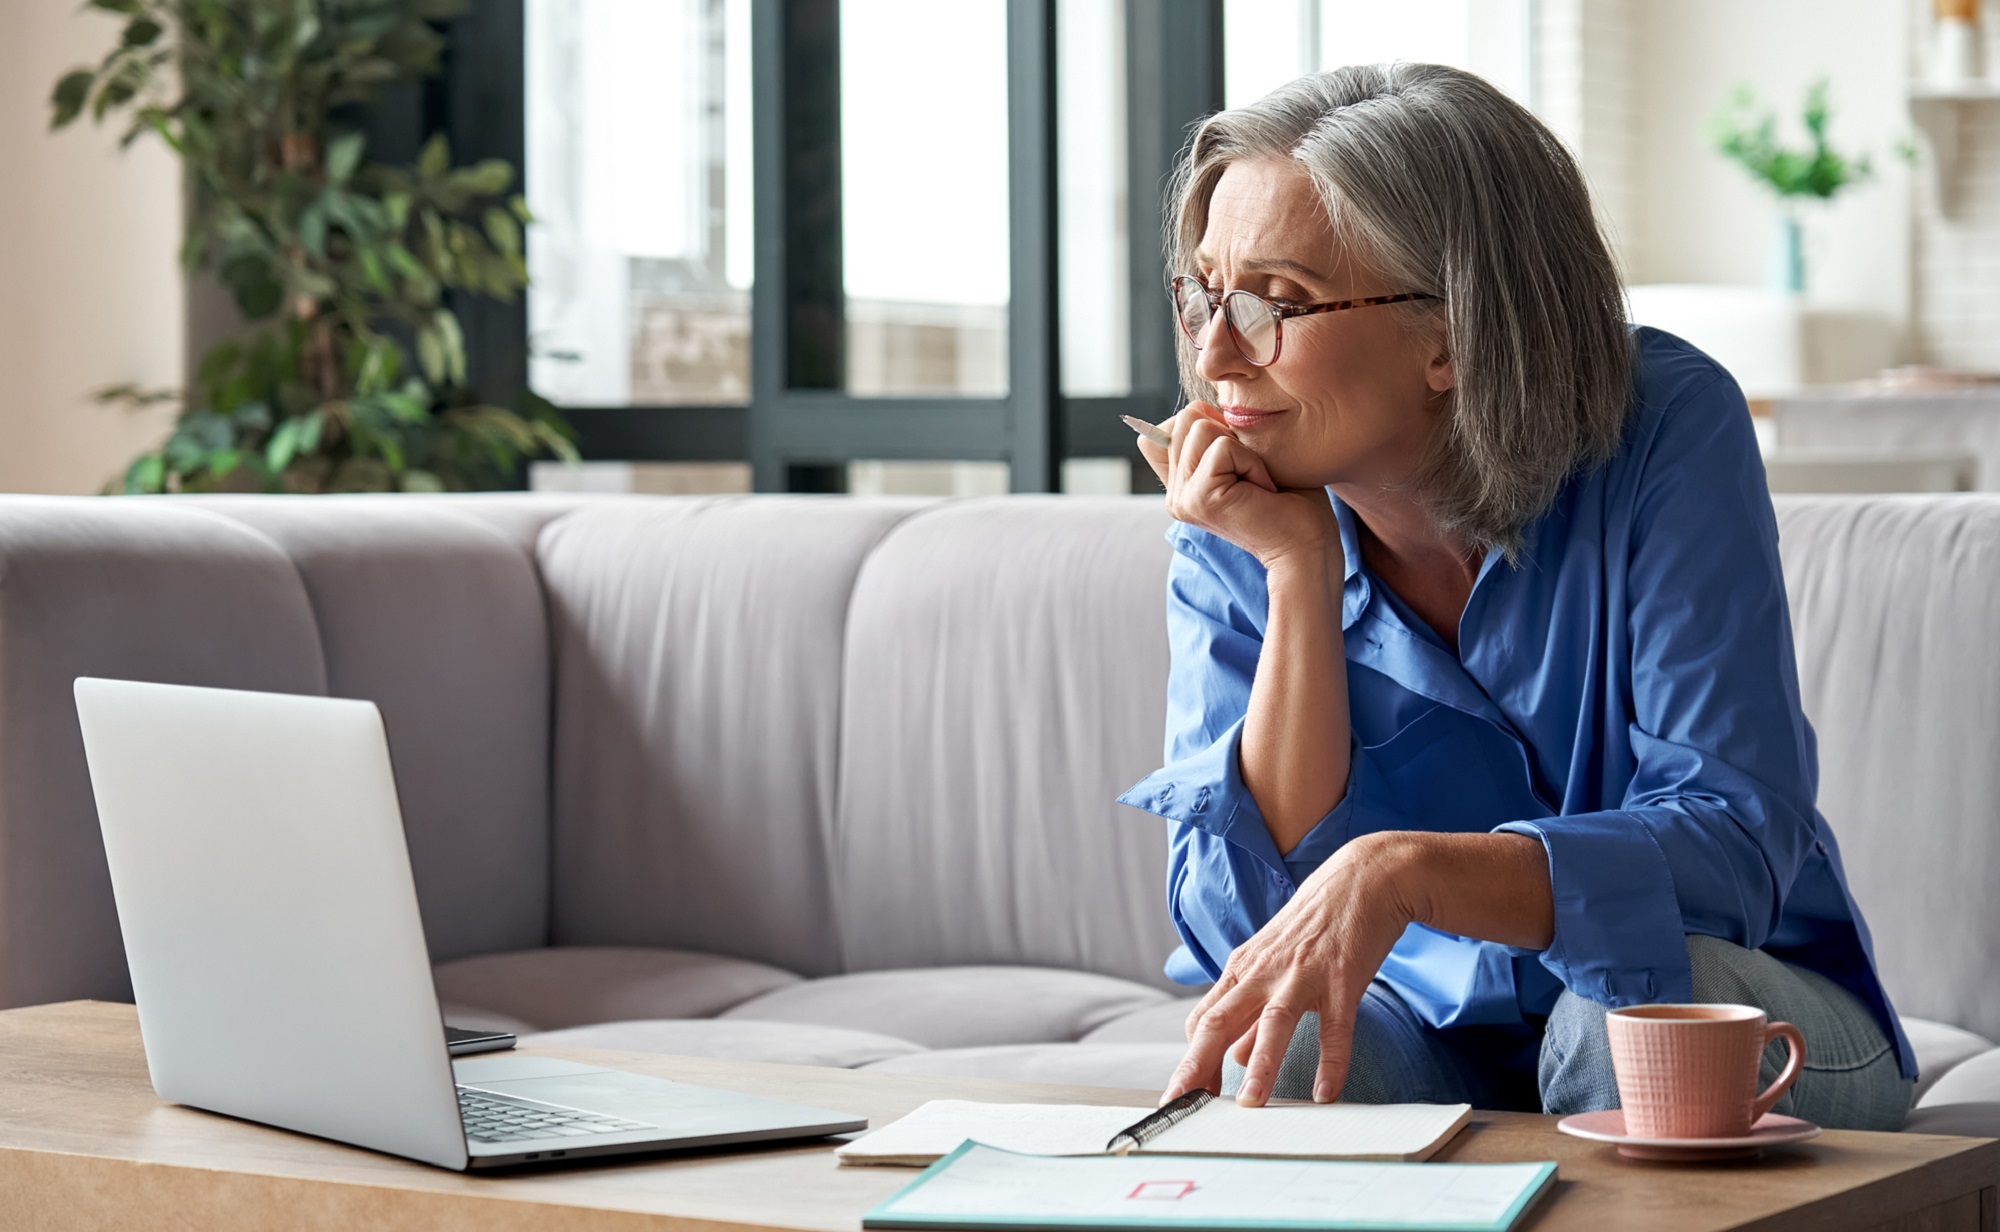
point(84, 1143)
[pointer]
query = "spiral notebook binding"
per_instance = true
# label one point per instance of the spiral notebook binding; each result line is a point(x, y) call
point(1163, 1118)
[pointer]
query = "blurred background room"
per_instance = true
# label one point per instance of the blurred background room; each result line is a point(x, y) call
point(891, 246)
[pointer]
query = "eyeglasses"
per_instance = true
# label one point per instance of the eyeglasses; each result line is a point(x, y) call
point(1254, 322)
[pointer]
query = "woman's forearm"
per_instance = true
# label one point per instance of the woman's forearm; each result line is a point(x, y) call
point(1295, 735)
point(1491, 887)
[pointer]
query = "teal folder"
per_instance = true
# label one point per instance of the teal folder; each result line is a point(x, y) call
point(983, 1187)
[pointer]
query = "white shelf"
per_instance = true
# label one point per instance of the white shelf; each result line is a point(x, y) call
point(1936, 108)
point(1963, 91)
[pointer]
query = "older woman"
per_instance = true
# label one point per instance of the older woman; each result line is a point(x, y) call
point(1483, 712)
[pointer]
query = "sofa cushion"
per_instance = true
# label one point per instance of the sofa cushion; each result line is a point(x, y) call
point(1156, 1024)
point(735, 1039)
point(1940, 1048)
point(572, 985)
point(1006, 673)
point(1146, 1067)
point(1892, 602)
point(953, 1007)
point(697, 696)
point(1968, 1082)
point(1981, 1120)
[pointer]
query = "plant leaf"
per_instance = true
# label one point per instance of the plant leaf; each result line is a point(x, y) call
point(141, 32)
point(69, 96)
point(284, 443)
point(454, 344)
point(436, 157)
point(312, 229)
point(503, 231)
point(486, 178)
point(430, 355)
point(343, 156)
point(147, 474)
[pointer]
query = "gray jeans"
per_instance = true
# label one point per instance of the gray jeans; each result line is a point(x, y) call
point(1851, 1078)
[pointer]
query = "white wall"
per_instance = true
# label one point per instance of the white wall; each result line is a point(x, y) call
point(1699, 219)
point(90, 292)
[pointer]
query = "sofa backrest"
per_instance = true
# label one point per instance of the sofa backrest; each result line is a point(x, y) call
point(106, 588)
point(430, 608)
point(1895, 610)
point(697, 701)
point(1006, 666)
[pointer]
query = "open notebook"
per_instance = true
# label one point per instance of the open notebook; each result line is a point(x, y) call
point(1402, 1132)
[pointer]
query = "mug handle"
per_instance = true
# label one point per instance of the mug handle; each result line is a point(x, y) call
point(1797, 1047)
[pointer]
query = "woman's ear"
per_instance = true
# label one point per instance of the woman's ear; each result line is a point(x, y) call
point(1439, 373)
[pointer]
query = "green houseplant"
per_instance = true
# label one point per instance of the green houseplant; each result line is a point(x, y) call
point(1748, 136)
point(350, 373)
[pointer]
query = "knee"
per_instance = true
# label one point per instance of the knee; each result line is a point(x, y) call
point(1721, 971)
point(1575, 1072)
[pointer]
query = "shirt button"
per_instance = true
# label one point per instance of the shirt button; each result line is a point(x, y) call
point(1819, 847)
point(1651, 990)
point(1284, 882)
point(1201, 800)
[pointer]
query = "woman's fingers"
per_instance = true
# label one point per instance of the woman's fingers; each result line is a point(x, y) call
point(1336, 1045)
point(1274, 1035)
point(1155, 455)
point(1242, 1049)
point(1227, 462)
point(1210, 1034)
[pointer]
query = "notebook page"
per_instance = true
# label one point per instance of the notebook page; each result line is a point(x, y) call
point(938, 1127)
point(990, 1189)
point(1314, 1131)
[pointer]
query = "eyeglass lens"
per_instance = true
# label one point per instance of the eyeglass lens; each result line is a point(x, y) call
point(1252, 324)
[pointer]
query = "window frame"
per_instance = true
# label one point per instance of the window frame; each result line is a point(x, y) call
point(800, 428)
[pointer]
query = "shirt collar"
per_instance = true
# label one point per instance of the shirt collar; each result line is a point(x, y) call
point(1385, 645)
point(1354, 583)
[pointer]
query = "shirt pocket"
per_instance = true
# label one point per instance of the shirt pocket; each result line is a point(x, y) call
point(1447, 772)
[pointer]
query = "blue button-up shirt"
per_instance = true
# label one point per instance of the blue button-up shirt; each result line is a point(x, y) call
point(1626, 694)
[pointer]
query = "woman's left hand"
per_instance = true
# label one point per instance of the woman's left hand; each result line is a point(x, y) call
point(1317, 955)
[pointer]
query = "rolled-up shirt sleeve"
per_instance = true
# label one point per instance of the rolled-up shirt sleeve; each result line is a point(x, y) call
point(1717, 820)
point(1225, 876)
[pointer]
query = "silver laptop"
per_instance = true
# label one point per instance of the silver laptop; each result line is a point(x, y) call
point(278, 961)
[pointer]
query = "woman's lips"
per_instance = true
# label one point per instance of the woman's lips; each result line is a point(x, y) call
point(1247, 416)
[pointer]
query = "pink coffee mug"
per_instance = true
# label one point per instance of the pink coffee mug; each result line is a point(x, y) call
point(1690, 1071)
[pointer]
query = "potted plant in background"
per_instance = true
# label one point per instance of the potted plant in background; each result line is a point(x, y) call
point(349, 374)
point(1748, 135)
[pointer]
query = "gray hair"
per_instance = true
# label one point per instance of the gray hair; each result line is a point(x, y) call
point(1443, 184)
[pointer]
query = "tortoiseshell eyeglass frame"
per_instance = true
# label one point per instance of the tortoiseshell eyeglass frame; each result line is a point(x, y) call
point(1279, 313)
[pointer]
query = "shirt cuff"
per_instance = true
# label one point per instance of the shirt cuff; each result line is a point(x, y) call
point(1619, 938)
point(1205, 790)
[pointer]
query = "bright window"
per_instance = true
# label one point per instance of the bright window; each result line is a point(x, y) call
point(1267, 43)
point(638, 169)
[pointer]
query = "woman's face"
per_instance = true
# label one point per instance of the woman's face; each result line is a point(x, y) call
point(1354, 396)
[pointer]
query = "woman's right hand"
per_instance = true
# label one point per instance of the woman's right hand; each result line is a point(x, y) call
point(1216, 483)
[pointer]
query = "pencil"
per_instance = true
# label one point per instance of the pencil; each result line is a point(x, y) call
point(1147, 430)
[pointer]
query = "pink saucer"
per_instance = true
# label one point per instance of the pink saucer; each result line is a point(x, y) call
point(1770, 1130)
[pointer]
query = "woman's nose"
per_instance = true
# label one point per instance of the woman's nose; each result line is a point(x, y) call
point(1219, 357)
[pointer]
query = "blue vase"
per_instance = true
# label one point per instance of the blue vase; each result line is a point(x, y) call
point(1787, 270)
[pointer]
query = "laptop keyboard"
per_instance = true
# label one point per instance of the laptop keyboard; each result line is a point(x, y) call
point(490, 1117)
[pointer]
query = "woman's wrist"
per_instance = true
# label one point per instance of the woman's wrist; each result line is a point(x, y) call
point(1494, 887)
point(1304, 564)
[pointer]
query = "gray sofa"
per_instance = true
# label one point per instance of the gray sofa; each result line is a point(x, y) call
point(830, 780)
